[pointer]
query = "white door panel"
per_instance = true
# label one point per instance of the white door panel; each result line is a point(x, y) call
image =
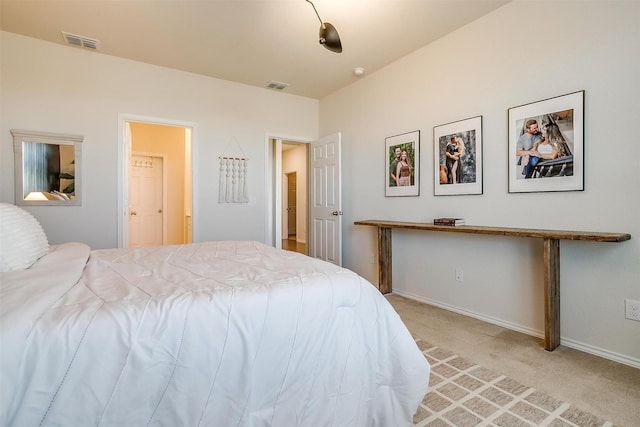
point(326, 204)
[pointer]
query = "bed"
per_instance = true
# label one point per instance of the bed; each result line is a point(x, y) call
point(232, 333)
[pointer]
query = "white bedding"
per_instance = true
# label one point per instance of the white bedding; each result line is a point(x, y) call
point(208, 334)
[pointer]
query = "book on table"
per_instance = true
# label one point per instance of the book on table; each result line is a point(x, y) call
point(448, 221)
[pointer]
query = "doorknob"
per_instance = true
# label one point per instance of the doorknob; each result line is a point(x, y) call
point(336, 213)
point(133, 213)
point(159, 210)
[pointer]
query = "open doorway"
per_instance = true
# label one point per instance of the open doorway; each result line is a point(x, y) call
point(294, 196)
point(155, 194)
point(323, 205)
point(286, 158)
point(293, 235)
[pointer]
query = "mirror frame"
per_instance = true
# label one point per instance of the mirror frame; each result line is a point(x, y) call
point(20, 136)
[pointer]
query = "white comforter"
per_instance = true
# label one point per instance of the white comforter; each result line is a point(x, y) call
point(209, 334)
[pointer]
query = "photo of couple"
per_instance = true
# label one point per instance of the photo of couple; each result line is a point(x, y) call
point(401, 161)
point(458, 157)
point(545, 146)
point(402, 165)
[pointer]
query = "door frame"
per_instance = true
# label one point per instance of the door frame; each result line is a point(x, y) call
point(124, 151)
point(273, 186)
point(164, 190)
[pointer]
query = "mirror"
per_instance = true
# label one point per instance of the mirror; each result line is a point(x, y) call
point(47, 168)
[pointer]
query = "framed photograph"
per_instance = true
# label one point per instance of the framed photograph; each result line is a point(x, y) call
point(546, 145)
point(458, 157)
point(402, 164)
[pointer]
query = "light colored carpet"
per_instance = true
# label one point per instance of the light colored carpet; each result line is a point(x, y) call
point(570, 387)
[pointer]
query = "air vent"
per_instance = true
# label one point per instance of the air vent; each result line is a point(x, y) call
point(277, 85)
point(80, 41)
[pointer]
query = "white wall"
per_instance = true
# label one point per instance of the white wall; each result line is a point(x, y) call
point(56, 88)
point(521, 53)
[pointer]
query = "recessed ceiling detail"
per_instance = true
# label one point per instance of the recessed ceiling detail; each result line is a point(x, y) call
point(80, 41)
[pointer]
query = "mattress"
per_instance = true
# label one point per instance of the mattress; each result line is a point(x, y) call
point(209, 334)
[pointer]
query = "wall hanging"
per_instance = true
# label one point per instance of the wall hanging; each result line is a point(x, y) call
point(233, 178)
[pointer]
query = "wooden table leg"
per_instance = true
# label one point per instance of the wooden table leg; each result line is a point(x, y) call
point(384, 260)
point(551, 294)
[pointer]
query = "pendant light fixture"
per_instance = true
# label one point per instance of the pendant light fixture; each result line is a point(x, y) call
point(329, 37)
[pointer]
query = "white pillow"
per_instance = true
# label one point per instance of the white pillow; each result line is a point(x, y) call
point(22, 239)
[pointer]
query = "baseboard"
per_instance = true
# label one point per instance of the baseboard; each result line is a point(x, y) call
point(606, 354)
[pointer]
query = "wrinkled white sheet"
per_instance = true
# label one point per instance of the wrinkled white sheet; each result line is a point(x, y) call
point(208, 334)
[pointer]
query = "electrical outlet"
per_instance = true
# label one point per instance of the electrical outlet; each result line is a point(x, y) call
point(632, 309)
point(459, 275)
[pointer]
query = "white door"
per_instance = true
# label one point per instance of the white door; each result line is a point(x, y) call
point(326, 202)
point(145, 201)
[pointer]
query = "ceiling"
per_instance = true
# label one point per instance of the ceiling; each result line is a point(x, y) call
point(249, 41)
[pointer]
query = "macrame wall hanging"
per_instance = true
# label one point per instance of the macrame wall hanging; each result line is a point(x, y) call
point(233, 178)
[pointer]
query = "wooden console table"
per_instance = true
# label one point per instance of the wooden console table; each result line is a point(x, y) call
point(551, 259)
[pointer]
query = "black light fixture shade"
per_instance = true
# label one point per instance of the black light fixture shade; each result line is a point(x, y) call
point(329, 37)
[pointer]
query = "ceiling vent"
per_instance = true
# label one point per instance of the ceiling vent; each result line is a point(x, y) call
point(80, 41)
point(277, 85)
